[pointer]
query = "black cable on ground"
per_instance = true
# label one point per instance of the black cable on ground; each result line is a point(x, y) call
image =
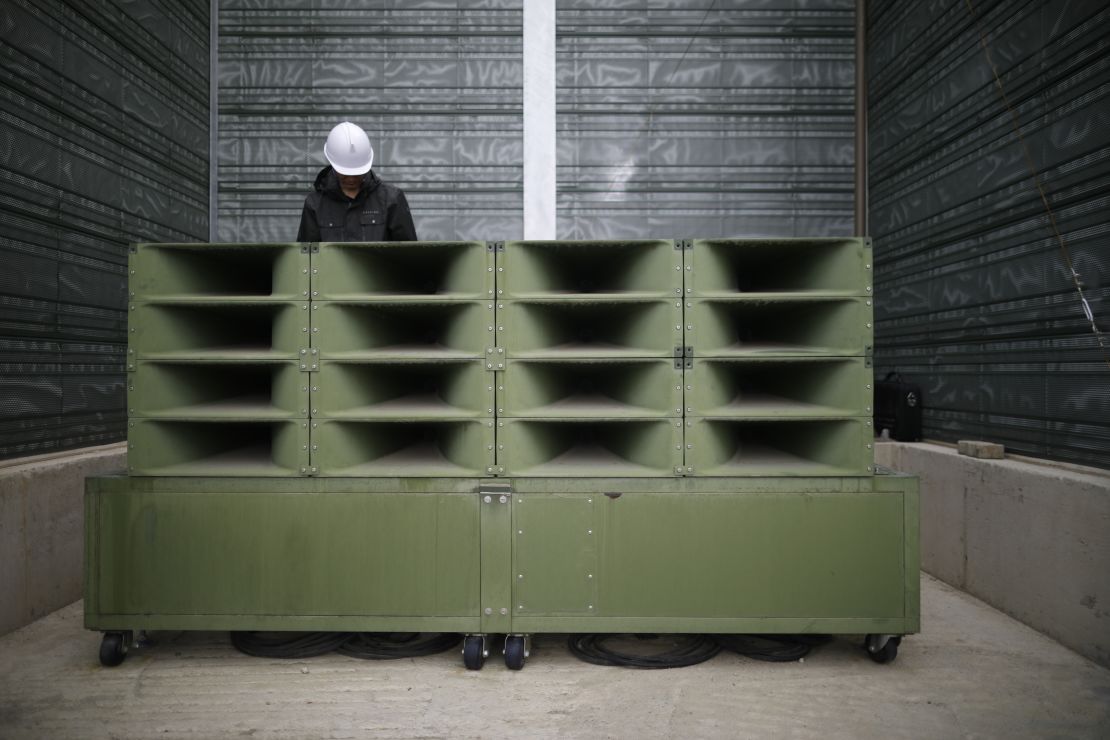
point(677, 651)
point(287, 644)
point(393, 645)
point(772, 648)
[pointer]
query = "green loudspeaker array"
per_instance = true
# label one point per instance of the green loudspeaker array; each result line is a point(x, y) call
point(587, 380)
point(777, 368)
point(403, 332)
point(219, 341)
point(587, 358)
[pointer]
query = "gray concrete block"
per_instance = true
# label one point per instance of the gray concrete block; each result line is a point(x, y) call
point(42, 530)
point(1030, 539)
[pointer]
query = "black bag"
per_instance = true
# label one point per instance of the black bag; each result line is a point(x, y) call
point(898, 408)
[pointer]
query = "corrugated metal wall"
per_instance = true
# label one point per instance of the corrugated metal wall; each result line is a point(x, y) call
point(437, 85)
point(973, 299)
point(104, 126)
point(688, 117)
point(704, 118)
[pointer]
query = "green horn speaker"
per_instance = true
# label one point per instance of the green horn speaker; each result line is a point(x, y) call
point(589, 447)
point(217, 331)
point(233, 271)
point(590, 329)
point(779, 387)
point(735, 266)
point(217, 448)
point(403, 330)
point(457, 270)
point(723, 327)
point(458, 389)
point(403, 448)
point(591, 388)
point(806, 447)
point(208, 390)
point(643, 268)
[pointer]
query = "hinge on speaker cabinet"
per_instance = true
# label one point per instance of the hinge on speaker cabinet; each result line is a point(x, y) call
point(495, 246)
point(495, 359)
point(310, 358)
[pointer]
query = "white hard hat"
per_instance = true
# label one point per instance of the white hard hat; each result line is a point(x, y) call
point(348, 150)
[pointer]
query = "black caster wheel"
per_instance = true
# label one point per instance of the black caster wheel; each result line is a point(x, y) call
point(515, 652)
point(113, 649)
point(885, 654)
point(474, 652)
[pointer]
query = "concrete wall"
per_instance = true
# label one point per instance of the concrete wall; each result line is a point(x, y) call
point(42, 522)
point(1032, 539)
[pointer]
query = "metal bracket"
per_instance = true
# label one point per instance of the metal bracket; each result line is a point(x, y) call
point(681, 244)
point(684, 357)
point(495, 359)
point(310, 358)
point(868, 356)
point(495, 246)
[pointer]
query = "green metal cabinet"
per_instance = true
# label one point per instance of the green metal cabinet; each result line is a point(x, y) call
point(786, 555)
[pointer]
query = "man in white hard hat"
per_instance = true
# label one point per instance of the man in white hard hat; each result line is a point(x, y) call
point(349, 203)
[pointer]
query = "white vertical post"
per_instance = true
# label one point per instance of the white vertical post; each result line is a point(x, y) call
point(213, 120)
point(539, 119)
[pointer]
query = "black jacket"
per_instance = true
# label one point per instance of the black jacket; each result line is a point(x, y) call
point(379, 213)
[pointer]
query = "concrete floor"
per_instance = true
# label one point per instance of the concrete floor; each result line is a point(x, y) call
point(973, 672)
